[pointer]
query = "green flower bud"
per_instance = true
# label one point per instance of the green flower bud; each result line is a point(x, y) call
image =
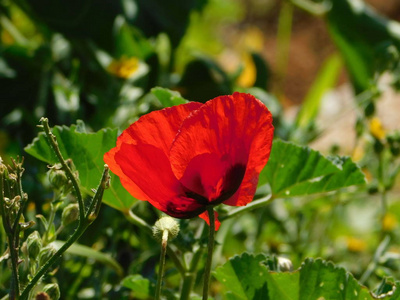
point(34, 245)
point(70, 214)
point(166, 223)
point(46, 253)
point(57, 176)
point(52, 290)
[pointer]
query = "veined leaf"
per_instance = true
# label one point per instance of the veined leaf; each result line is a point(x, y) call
point(86, 150)
point(247, 277)
point(297, 171)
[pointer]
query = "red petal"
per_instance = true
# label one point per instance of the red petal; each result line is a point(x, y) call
point(157, 128)
point(237, 130)
point(150, 170)
point(206, 218)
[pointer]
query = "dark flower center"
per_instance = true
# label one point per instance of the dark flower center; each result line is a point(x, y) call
point(231, 182)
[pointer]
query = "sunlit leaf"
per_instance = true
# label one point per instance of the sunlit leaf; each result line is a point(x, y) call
point(295, 171)
point(86, 150)
point(248, 277)
point(167, 97)
point(141, 287)
point(245, 276)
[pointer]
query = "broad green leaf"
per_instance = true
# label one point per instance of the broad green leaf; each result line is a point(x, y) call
point(86, 150)
point(88, 252)
point(167, 97)
point(358, 32)
point(246, 276)
point(141, 287)
point(324, 81)
point(296, 171)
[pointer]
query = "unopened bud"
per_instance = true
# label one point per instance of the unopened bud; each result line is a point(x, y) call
point(70, 214)
point(52, 290)
point(57, 176)
point(285, 264)
point(46, 253)
point(166, 223)
point(34, 245)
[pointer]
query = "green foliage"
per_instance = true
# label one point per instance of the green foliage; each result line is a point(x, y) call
point(140, 287)
point(167, 97)
point(348, 22)
point(248, 277)
point(324, 81)
point(86, 150)
point(298, 171)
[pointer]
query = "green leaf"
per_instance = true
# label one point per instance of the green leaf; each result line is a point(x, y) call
point(167, 97)
point(141, 287)
point(171, 17)
point(129, 42)
point(247, 277)
point(324, 81)
point(203, 79)
point(297, 171)
point(88, 252)
point(348, 23)
point(86, 151)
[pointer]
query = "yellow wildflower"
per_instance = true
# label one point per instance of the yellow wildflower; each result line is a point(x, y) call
point(376, 128)
point(356, 244)
point(248, 76)
point(389, 222)
point(358, 153)
point(124, 67)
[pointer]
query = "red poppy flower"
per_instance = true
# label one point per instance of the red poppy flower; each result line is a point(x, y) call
point(183, 158)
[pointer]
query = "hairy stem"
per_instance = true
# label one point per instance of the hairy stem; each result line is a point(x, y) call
point(252, 205)
point(54, 145)
point(164, 243)
point(11, 240)
point(82, 226)
point(211, 236)
point(134, 219)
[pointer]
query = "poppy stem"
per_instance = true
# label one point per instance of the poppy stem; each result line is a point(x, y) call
point(164, 243)
point(211, 238)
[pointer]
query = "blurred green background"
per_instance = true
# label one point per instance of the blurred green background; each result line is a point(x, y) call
point(318, 66)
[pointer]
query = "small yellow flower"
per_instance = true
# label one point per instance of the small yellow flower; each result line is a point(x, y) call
point(376, 128)
point(124, 67)
point(356, 244)
point(248, 76)
point(358, 153)
point(389, 222)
